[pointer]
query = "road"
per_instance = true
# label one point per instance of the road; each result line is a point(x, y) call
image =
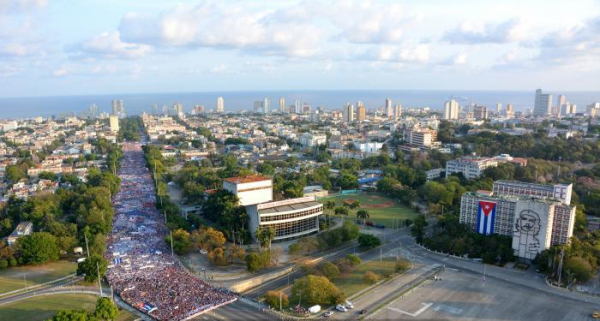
point(58, 287)
point(239, 310)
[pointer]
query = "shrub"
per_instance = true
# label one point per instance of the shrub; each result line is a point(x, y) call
point(272, 299)
point(370, 277)
point(354, 260)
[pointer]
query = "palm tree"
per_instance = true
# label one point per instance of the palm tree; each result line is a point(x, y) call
point(329, 205)
point(362, 214)
point(355, 204)
point(269, 235)
point(259, 237)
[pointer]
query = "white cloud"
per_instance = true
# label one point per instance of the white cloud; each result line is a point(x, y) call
point(511, 30)
point(110, 45)
point(417, 53)
point(577, 44)
point(460, 59)
point(60, 72)
point(19, 6)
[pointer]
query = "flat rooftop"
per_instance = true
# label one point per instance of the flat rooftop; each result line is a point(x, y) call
point(247, 179)
point(288, 208)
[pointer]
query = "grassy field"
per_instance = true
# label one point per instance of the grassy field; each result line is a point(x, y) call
point(12, 278)
point(44, 307)
point(381, 208)
point(351, 283)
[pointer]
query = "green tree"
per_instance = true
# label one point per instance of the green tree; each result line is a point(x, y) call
point(91, 266)
point(418, 228)
point(370, 277)
point(329, 270)
point(317, 290)
point(341, 210)
point(362, 215)
point(182, 241)
point(580, 267)
point(106, 309)
point(272, 299)
point(354, 260)
point(38, 248)
point(73, 315)
point(368, 240)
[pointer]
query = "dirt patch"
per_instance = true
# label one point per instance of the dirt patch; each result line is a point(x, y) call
point(375, 197)
point(380, 205)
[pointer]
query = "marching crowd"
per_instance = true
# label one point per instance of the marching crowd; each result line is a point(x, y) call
point(142, 270)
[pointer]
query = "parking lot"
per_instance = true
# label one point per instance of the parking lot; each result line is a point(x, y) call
point(462, 296)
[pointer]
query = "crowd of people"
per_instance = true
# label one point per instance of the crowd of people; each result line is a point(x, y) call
point(142, 269)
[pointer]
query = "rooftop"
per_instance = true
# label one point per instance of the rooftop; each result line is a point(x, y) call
point(288, 208)
point(247, 179)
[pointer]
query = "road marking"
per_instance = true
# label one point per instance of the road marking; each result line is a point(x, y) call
point(421, 310)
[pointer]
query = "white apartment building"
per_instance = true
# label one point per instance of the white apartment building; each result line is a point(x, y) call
point(470, 166)
point(543, 103)
point(451, 109)
point(250, 189)
point(220, 105)
point(114, 123)
point(369, 147)
point(422, 137)
point(308, 140)
point(289, 218)
point(561, 192)
point(349, 113)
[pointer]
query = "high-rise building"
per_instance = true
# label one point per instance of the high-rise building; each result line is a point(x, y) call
point(220, 105)
point(297, 107)
point(349, 113)
point(282, 105)
point(592, 110)
point(94, 111)
point(561, 192)
point(498, 108)
point(397, 112)
point(470, 166)
point(155, 109)
point(117, 107)
point(561, 100)
point(480, 112)
point(114, 123)
point(510, 112)
point(389, 111)
point(178, 109)
point(266, 105)
point(543, 104)
point(451, 109)
point(362, 112)
point(422, 137)
point(306, 108)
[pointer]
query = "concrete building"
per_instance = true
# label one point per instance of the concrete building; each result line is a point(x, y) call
point(289, 218)
point(251, 189)
point(220, 105)
point(117, 107)
point(470, 166)
point(308, 140)
point(349, 113)
point(282, 108)
point(422, 137)
point(24, 228)
point(369, 147)
point(592, 110)
point(534, 224)
point(389, 111)
point(362, 112)
point(543, 104)
point(560, 192)
point(297, 107)
point(480, 112)
point(498, 108)
point(451, 109)
point(114, 123)
point(510, 111)
point(266, 105)
point(397, 112)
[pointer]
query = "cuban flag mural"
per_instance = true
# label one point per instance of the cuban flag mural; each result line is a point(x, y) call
point(486, 213)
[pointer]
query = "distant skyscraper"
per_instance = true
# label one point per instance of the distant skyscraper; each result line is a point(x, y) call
point(178, 109)
point(397, 112)
point(117, 107)
point(389, 112)
point(498, 108)
point(282, 105)
point(297, 107)
point(266, 105)
point(362, 112)
point(349, 113)
point(543, 103)
point(510, 112)
point(94, 111)
point(306, 108)
point(155, 109)
point(480, 112)
point(451, 109)
point(220, 105)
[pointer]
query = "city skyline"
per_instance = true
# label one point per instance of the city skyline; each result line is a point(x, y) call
point(58, 48)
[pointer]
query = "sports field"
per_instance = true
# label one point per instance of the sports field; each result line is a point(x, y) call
point(17, 277)
point(382, 209)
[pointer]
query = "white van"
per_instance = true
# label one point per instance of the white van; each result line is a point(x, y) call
point(349, 305)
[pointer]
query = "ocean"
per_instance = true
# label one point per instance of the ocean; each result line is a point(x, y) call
point(23, 107)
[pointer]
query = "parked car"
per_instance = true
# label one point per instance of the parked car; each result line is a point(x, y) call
point(370, 223)
point(328, 314)
point(349, 305)
point(363, 311)
point(379, 226)
point(341, 308)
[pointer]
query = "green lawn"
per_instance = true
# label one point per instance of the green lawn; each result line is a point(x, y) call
point(381, 208)
point(44, 307)
point(351, 283)
point(12, 278)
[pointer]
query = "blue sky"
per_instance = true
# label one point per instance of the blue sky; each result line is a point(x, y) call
point(69, 47)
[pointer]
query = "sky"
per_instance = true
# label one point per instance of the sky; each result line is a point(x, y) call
point(80, 47)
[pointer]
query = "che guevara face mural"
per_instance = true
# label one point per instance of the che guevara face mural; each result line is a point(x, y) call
point(528, 228)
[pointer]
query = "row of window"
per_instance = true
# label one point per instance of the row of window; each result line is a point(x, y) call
point(294, 227)
point(280, 217)
point(254, 189)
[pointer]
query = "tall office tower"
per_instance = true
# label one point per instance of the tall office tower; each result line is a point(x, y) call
point(155, 109)
point(94, 112)
point(349, 113)
point(306, 108)
point(498, 108)
point(510, 112)
point(561, 100)
point(359, 103)
point(117, 107)
point(362, 112)
point(389, 111)
point(178, 108)
point(220, 105)
point(114, 123)
point(592, 109)
point(282, 105)
point(451, 109)
point(397, 112)
point(297, 107)
point(543, 104)
point(266, 105)
point(165, 110)
point(480, 112)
